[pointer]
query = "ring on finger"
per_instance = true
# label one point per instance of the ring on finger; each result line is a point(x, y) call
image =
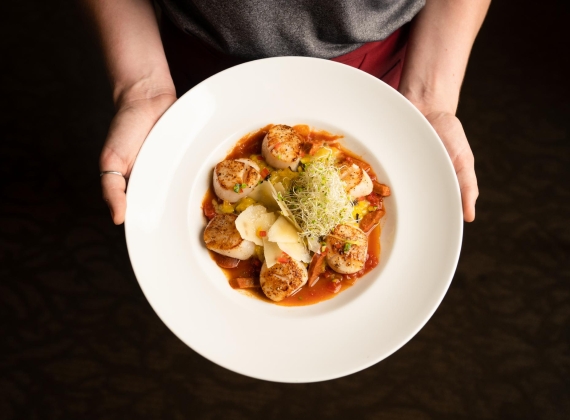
point(111, 173)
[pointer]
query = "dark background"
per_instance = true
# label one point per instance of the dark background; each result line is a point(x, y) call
point(79, 340)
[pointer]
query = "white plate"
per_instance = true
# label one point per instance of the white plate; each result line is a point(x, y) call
point(362, 325)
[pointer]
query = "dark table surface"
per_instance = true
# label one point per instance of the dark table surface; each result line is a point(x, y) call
point(79, 340)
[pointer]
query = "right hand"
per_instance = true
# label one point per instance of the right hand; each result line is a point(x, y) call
point(129, 128)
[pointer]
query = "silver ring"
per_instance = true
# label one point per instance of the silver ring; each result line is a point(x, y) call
point(111, 172)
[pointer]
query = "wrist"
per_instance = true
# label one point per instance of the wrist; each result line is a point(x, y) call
point(143, 88)
point(431, 97)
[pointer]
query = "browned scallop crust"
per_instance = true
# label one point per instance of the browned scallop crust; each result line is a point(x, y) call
point(353, 260)
point(351, 175)
point(287, 140)
point(282, 279)
point(232, 172)
point(221, 233)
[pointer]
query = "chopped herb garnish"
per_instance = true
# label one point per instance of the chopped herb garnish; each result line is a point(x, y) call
point(347, 247)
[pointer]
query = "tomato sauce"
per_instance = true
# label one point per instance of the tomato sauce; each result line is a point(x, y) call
point(329, 283)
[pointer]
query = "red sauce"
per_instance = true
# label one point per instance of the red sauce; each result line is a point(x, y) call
point(330, 283)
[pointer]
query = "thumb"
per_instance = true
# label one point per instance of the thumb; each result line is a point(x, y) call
point(114, 187)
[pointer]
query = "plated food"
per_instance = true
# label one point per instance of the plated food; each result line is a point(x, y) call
point(292, 216)
point(358, 327)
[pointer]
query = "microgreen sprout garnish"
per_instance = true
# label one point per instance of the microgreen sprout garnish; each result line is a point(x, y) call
point(317, 199)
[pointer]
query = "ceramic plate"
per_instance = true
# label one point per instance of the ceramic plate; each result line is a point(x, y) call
point(366, 323)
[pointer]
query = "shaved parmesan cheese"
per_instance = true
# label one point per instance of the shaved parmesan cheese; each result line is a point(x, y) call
point(296, 250)
point(278, 194)
point(283, 231)
point(271, 251)
point(314, 245)
point(253, 220)
point(279, 188)
point(263, 194)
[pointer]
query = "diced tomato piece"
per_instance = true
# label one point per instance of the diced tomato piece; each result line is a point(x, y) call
point(262, 234)
point(351, 277)
point(334, 287)
point(371, 220)
point(284, 258)
point(209, 210)
point(374, 199)
point(371, 262)
point(381, 189)
point(316, 267)
point(264, 173)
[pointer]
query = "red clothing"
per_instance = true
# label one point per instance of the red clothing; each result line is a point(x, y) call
point(191, 61)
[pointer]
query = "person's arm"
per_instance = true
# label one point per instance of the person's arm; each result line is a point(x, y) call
point(141, 82)
point(440, 42)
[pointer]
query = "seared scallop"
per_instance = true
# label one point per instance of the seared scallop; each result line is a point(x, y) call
point(234, 179)
point(282, 279)
point(357, 182)
point(347, 249)
point(281, 147)
point(221, 236)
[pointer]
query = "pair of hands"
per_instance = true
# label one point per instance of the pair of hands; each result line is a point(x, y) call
point(135, 118)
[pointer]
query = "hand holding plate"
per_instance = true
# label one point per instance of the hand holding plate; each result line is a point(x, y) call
point(451, 132)
point(127, 133)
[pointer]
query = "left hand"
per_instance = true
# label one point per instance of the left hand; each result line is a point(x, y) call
point(450, 130)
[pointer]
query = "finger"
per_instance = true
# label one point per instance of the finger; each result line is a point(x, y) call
point(469, 196)
point(469, 189)
point(114, 187)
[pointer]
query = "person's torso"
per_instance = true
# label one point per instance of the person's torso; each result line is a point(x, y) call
point(268, 28)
